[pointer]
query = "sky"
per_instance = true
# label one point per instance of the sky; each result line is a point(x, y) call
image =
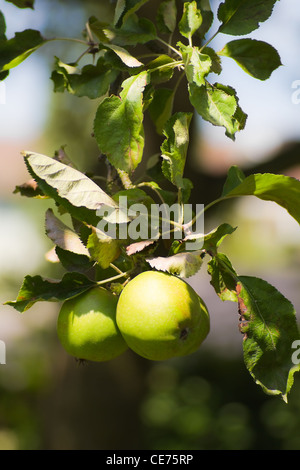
point(272, 116)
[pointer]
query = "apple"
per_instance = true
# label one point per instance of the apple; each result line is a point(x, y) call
point(86, 326)
point(161, 316)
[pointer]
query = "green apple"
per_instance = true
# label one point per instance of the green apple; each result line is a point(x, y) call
point(161, 316)
point(86, 326)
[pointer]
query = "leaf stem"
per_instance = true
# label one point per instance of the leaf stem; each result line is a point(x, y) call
point(169, 46)
point(209, 40)
point(113, 278)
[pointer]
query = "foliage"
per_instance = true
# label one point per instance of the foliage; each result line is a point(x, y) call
point(129, 80)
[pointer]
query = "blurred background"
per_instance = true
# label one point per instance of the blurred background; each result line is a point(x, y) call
point(207, 400)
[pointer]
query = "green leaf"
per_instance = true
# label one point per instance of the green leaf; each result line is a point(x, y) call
point(241, 17)
point(2, 27)
point(207, 17)
point(16, 50)
point(257, 58)
point(182, 264)
point(73, 261)
point(174, 148)
point(215, 105)
point(191, 19)
point(35, 289)
point(161, 107)
point(30, 189)
point(166, 18)
point(118, 124)
point(124, 55)
point(223, 277)
point(284, 190)
point(68, 187)
point(103, 249)
point(269, 329)
point(62, 235)
point(125, 8)
point(133, 31)
point(216, 66)
point(235, 177)
point(161, 69)
point(211, 240)
point(93, 81)
point(22, 3)
point(197, 65)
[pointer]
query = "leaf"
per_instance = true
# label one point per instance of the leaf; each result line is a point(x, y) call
point(159, 70)
point(62, 236)
point(133, 31)
point(70, 188)
point(70, 183)
point(125, 8)
point(22, 3)
point(166, 18)
point(216, 66)
point(93, 81)
point(73, 261)
point(235, 177)
point(30, 189)
point(118, 125)
point(182, 264)
point(35, 289)
point(174, 148)
point(223, 277)
point(241, 17)
point(16, 50)
point(269, 329)
point(196, 64)
point(103, 249)
point(257, 58)
point(161, 107)
point(2, 27)
point(284, 190)
point(191, 19)
point(214, 105)
point(207, 17)
point(134, 248)
point(124, 55)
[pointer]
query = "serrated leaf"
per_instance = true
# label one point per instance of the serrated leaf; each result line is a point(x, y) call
point(2, 27)
point(257, 58)
point(182, 264)
point(166, 18)
point(30, 189)
point(137, 247)
point(215, 105)
point(240, 17)
point(62, 236)
point(235, 177)
point(36, 289)
point(284, 190)
point(161, 69)
point(216, 66)
point(22, 3)
point(196, 64)
point(103, 249)
point(207, 17)
point(191, 19)
point(124, 55)
point(118, 125)
point(133, 31)
point(161, 107)
point(70, 183)
point(125, 8)
point(93, 81)
point(16, 50)
point(174, 148)
point(73, 261)
point(223, 277)
point(269, 329)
